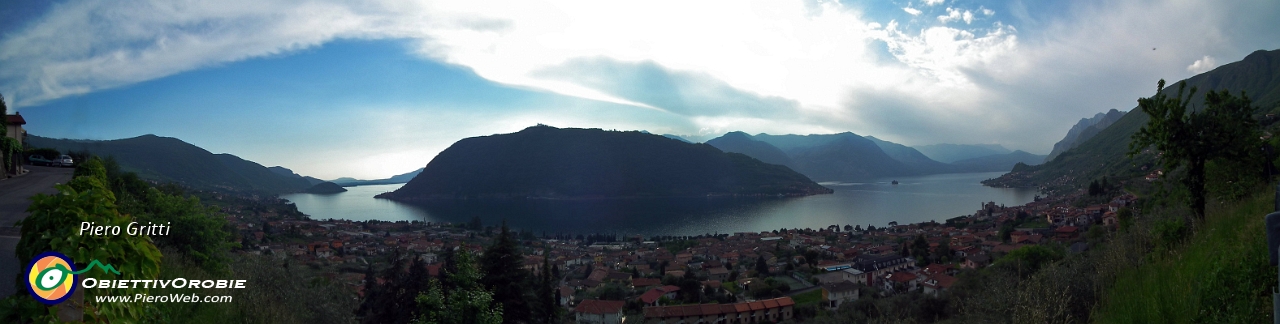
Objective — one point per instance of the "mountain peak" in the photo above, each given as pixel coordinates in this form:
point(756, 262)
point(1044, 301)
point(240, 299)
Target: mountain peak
point(585, 163)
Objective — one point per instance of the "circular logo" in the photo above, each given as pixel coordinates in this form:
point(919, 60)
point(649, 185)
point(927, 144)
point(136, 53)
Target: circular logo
point(51, 278)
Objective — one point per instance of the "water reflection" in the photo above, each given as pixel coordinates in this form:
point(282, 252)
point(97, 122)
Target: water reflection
point(913, 199)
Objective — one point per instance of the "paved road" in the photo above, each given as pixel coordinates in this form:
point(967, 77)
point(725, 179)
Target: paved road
point(13, 207)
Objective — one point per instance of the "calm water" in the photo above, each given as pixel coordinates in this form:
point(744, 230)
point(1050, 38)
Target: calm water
point(914, 199)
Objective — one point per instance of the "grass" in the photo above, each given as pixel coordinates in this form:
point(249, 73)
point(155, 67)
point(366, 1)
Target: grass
point(791, 282)
point(810, 297)
point(1219, 275)
point(731, 287)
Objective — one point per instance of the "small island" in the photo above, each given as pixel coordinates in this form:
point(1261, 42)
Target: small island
point(326, 188)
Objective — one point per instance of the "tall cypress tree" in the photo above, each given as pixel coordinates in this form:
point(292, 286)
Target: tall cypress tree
point(544, 305)
point(504, 276)
point(5, 158)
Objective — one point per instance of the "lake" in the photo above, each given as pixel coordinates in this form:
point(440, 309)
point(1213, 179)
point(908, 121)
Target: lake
point(913, 199)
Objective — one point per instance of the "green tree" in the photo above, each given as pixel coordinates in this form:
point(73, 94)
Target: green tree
point(467, 303)
point(548, 304)
point(7, 147)
point(1223, 129)
point(1028, 259)
point(198, 231)
point(762, 267)
point(920, 250)
point(505, 276)
point(53, 225)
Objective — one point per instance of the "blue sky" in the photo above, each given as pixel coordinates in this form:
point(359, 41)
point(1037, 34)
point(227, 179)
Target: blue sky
point(370, 89)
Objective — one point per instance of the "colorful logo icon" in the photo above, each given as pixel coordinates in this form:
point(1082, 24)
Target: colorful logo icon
point(51, 277)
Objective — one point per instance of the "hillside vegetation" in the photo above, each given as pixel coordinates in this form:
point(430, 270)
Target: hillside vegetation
point(167, 159)
point(1220, 274)
point(1258, 76)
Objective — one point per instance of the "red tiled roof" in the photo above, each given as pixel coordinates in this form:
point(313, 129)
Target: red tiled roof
point(945, 281)
point(770, 304)
point(902, 277)
point(715, 309)
point(710, 309)
point(651, 296)
point(645, 282)
point(785, 301)
point(15, 120)
point(727, 308)
point(687, 310)
point(592, 306)
point(937, 268)
point(655, 312)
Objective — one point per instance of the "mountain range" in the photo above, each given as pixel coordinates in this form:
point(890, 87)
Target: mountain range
point(851, 157)
point(1094, 147)
point(947, 153)
point(1257, 75)
point(399, 178)
point(168, 159)
point(1083, 131)
point(548, 162)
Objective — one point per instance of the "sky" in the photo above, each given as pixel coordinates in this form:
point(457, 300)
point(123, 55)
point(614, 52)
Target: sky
point(370, 89)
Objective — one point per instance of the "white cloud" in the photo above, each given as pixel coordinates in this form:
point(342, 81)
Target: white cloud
point(1202, 65)
point(979, 84)
point(954, 14)
point(912, 11)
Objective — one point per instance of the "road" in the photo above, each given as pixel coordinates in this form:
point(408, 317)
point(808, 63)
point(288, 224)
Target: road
point(13, 208)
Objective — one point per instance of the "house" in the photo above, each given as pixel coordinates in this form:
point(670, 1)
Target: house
point(618, 277)
point(651, 297)
point(1066, 233)
point(14, 131)
point(718, 273)
point(850, 275)
point(977, 261)
point(937, 283)
point(879, 264)
point(947, 269)
point(1109, 219)
point(593, 311)
point(900, 281)
point(839, 293)
point(761, 311)
point(566, 295)
point(641, 283)
point(598, 274)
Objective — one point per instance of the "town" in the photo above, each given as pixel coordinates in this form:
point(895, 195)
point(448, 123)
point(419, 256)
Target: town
point(768, 276)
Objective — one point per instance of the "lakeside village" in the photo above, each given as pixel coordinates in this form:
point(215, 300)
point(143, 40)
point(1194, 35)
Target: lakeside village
point(741, 277)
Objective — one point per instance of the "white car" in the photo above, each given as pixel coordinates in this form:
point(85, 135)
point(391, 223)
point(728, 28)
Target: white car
point(64, 160)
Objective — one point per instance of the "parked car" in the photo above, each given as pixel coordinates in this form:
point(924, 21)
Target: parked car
point(64, 160)
point(39, 160)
